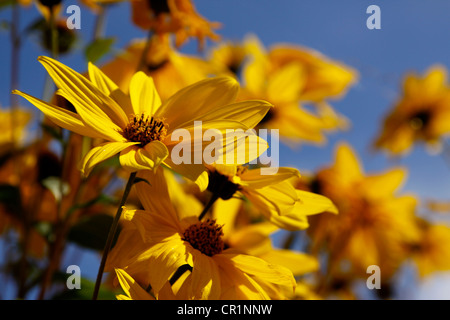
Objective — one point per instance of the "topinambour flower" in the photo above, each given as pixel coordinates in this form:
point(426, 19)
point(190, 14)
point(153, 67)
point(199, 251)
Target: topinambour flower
point(140, 128)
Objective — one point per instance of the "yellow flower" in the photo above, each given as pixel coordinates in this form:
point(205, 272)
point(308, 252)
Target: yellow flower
point(138, 126)
point(271, 194)
point(162, 63)
point(172, 240)
point(255, 239)
point(374, 223)
point(282, 86)
point(14, 127)
point(178, 17)
point(230, 56)
point(323, 78)
point(431, 253)
point(422, 114)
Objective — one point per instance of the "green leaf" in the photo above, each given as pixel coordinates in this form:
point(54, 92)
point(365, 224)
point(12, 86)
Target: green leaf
point(85, 292)
point(91, 232)
point(98, 48)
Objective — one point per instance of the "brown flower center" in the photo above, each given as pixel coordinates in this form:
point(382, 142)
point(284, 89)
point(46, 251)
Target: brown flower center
point(206, 237)
point(145, 129)
point(220, 184)
point(159, 6)
point(420, 120)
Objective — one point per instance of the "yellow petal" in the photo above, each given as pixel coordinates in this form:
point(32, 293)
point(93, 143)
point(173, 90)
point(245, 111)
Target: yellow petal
point(299, 263)
point(205, 278)
point(249, 113)
point(194, 172)
point(312, 203)
point(85, 96)
point(383, 185)
point(290, 222)
point(106, 127)
point(154, 195)
point(198, 99)
point(131, 288)
point(101, 153)
point(276, 199)
point(235, 144)
point(255, 74)
point(253, 239)
point(225, 212)
point(107, 86)
point(255, 179)
point(285, 84)
point(153, 154)
point(136, 158)
point(264, 271)
point(144, 97)
point(63, 118)
point(347, 164)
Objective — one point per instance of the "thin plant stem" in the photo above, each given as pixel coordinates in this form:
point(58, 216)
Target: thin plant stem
point(100, 19)
point(15, 48)
point(211, 201)
point(111, 234)
point(143, 57)
point(48, 87)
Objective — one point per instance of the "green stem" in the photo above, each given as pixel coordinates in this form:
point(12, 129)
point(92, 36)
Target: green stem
point(100, 19)
point(112, 232)
point(48, 87)
point(211, 201)
point(142, 60)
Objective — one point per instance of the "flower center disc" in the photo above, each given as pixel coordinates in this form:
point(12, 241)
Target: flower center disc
point(206, 237)
point(145, 129)
point(221, 185)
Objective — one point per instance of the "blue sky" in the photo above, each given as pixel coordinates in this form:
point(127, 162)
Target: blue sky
point(413, 37)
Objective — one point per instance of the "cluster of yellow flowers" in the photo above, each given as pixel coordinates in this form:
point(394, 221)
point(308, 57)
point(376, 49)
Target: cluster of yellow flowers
point(197, 229)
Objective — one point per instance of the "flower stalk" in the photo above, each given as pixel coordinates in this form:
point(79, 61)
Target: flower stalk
point(111, 234)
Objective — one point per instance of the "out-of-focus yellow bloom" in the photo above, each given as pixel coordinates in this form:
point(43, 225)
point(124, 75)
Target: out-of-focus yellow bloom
point(14, 127)
point(25, 3)
point(374, 224)
point(324, 78)
point(138, 126)
point(170, 241)
point(422, 114)
point(432, 252)
point(178, 17)
point(163, 63)
point(230, 56)
point(272, 194)
point(25, 170)
point(282, 85)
